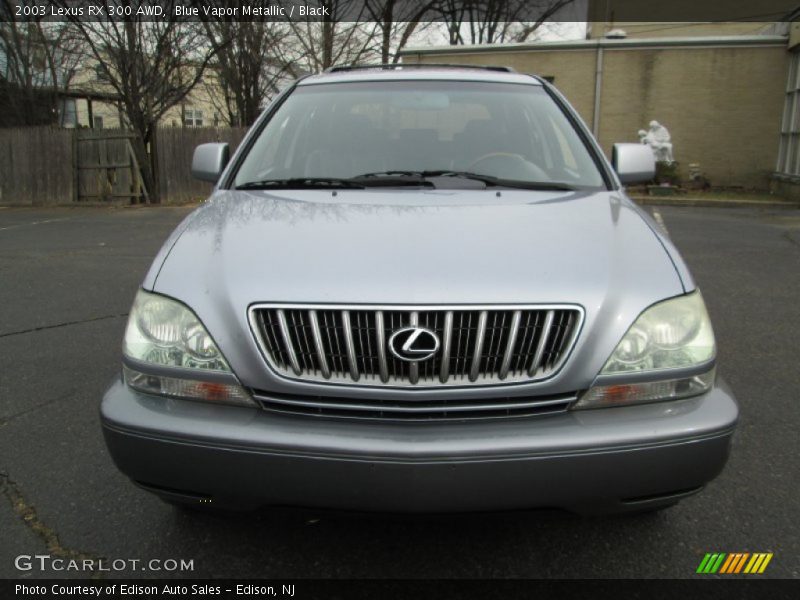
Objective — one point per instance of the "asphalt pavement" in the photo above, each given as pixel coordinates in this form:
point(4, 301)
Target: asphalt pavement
point(67, 278)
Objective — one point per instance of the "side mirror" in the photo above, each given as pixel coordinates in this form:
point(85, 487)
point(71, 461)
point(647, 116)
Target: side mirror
point(209, 161)
point(634, 163)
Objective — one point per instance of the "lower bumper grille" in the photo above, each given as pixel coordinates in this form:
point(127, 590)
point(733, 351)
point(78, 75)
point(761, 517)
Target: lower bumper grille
point(412, 409)
point(365, 345)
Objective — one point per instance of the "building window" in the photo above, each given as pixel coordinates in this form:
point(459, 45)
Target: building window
point(192, 117)
point(789, 152)
point(100, 73)
point(97, 122)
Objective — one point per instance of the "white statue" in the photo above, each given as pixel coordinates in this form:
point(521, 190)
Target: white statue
point(659, 140)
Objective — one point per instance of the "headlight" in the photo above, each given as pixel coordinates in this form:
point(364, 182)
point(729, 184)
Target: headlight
point(164, 333)
point(674, 334)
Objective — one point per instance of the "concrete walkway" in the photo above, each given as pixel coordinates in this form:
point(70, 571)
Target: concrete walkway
point(714, 202)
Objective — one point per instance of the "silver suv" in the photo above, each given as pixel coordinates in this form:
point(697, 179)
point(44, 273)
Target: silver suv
point(420, 289)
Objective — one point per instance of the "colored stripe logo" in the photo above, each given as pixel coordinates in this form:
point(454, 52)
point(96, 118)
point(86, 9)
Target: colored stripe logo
point(734, 563)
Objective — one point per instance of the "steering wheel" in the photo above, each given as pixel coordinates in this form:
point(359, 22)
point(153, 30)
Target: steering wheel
point(486, 157)
point(509, 166)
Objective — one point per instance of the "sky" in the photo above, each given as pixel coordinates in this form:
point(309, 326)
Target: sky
point(567, 24)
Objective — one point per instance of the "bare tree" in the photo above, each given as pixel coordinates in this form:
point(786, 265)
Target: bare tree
point(247, 67)
point(495, 21)
point(151, 65)
point(339, 37)
point(397, 21)
point(38, 61)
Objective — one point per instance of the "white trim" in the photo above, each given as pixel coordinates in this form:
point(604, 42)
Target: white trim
point(722, 41)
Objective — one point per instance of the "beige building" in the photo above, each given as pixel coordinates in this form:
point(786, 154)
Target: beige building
point(91, 102)
point(721, 96)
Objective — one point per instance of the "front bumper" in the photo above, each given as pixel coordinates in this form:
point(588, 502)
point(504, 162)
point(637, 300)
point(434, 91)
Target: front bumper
point(602, 460)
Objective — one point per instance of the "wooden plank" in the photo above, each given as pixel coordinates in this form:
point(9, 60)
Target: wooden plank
point(139, 188)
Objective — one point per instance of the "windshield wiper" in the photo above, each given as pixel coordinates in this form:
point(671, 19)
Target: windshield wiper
point(492, 181)
point(301, 183)
point(390, 174)
point(488, 180)
point(391, 179)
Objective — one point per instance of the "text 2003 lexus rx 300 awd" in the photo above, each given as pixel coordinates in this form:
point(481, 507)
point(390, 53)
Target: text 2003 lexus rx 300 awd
point(420, 289)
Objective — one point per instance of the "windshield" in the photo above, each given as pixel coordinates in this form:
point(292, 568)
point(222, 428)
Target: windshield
point(511, 132)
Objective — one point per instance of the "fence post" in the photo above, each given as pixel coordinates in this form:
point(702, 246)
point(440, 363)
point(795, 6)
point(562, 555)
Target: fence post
point(75, 174)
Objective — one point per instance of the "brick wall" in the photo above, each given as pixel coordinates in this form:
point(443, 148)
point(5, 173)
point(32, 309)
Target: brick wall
point(722, 104)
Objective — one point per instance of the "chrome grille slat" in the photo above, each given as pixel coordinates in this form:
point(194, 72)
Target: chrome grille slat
point(380, 340)
point(540, 347)
point(352, 358)
point(479, 345)
point(339, 352)
point(444, 373)
point(297, 328)
point(526, 344)
point(365, 328)
point(512, 338)
point(321, 354)
point(477, 353)
point(270, 339)
point(287, 340)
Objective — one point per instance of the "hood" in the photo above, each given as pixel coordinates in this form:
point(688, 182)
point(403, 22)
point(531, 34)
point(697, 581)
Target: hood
point(417, 247)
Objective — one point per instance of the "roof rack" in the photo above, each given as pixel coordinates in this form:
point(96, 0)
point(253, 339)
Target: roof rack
point(390, 67)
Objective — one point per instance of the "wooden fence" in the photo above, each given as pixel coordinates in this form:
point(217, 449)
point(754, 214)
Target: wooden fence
point(175, 148)
point(37, 166)
point(48, 166)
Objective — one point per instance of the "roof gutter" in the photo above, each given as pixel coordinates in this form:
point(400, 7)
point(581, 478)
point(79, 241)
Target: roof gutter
point(598, 90)
point(621, 44)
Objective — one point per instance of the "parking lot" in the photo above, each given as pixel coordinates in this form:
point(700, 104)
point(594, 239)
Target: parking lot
point(67, 278)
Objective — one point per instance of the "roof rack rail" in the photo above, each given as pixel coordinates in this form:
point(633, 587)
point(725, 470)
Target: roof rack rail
point(390, 67)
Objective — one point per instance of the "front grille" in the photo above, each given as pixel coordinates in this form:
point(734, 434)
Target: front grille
point(411, 409)
point(478, 345)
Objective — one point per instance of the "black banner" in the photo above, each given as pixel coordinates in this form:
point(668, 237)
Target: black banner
point(653, 589)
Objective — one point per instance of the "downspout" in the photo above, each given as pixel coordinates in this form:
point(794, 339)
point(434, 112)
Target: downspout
point(598, 89)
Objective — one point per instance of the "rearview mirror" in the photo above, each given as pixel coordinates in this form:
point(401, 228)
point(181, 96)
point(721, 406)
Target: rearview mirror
point(209, 161)
point(634, 163)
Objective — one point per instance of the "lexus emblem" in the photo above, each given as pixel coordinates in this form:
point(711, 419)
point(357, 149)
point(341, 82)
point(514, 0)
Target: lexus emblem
point(413, 344)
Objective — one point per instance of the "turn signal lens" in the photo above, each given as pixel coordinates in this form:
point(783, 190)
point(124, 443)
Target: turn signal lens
point(641, 393)
point(218, 393)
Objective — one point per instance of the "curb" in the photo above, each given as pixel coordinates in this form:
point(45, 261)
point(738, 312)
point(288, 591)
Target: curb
point(98, 205)
point(708, 203)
